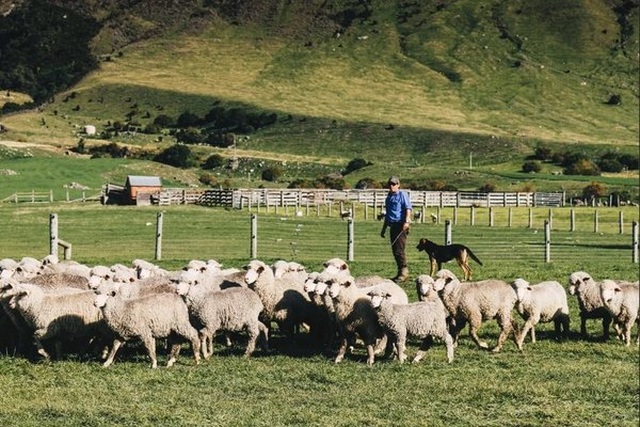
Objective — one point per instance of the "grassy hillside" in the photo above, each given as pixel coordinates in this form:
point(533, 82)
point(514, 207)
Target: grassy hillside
point(416, 87)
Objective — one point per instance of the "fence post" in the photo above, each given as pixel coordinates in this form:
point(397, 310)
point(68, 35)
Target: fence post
point(447, 232)
point(634, 233)
point(159, 221)
point(510, 217)
point(595, 221)
point(472, 216)
point(53, 234)
point(572, 226)
point(455, 215)
point(621, 222)
point(491, 216)
point(530, 217)
point(550, 218)
point(547, 241)
point(350, 239)
point(438, 214)
point(254, 236)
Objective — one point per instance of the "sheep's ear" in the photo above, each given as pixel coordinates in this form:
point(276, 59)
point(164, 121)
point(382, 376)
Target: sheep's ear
point(343, 266)
point(260, 269)
point(370, 294)
point(529, 288)
point(387, 295)
point(617, 289)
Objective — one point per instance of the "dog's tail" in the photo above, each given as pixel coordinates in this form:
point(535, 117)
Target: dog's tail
point(473, 256)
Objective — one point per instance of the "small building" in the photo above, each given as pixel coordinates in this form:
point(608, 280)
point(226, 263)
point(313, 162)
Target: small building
point(140, 189)
point(89, 130)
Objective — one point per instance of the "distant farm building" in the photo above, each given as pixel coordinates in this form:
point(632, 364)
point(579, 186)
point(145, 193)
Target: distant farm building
point(138, 190)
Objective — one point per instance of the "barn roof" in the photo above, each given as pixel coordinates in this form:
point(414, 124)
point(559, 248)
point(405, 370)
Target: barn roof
point(143, 181)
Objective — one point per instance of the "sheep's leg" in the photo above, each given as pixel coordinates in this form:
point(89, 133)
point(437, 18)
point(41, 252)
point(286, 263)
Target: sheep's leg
point(455, 327)
point(448, 340)
point(150, 345)
point(583, 325)
point(265, 336)
point(173, 354)
point(381, 344)
point(371, 355)
point(112, 354)
point(474, 325)
point(341, 350)
point(533, 334)
point(253, 331)
point(401, 345)
point(528, 325)
point(38, 337)
point(606, 322)
point(427, 342)
point(504, 321)
point(205, 337)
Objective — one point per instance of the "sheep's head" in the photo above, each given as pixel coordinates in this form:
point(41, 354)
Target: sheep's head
point(254, 270)
point(424, 283)
point(338, 282)
point(522, 287)
point(577, 279)
point(182, 288)
point(311, 282)
point(335, 266)
point(608, 290)
point(443, 278)
point(378, 297)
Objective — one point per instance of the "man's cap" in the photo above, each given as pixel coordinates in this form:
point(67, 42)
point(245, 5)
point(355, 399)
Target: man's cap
point(393, 180)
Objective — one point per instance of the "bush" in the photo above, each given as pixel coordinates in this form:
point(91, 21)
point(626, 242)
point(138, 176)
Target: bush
point(272, 174)
point(593, 190)
point(610, 165)
point(188, 119)
point(630, 161)
point(367, 183)
point(163, 120)
point(213, 161)
point(208, 179)
point(543, 153)
point(531, 166)
point(190, 136)
point(152, 128)
point(177, 155)
point(488, 187)
point(355, 164)
point(582, 167)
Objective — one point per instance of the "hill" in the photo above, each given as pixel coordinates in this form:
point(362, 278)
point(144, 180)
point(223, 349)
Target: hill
point(424, 89)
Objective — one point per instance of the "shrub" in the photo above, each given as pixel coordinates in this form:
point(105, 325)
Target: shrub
point(163, 120)
point(152, 128)
point(542, 153)
point(213, 161)
point(177, 155)
point(488, 187)
point(272, 174)
point(190, 136)
point(593, 190)
point(582, 167)
point(630, 161)
point(367, 183)
point(355, 164)
point(187, 119)
point(610, 165)
point(531, 166)
point(208, 179)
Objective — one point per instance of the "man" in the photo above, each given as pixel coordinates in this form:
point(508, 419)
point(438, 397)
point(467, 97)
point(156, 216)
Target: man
point(398, 219)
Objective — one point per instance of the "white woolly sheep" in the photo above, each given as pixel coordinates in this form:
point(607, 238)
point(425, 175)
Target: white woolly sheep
point(162, 315)
point(424, 320)
point(543, 302)
point(338, 266)
point(355, 314)
point(623, 303)
point(587, 291)
point(474, 302)
point(285, 302)
point(424, 288)
point(60, 314)
point(229, 310)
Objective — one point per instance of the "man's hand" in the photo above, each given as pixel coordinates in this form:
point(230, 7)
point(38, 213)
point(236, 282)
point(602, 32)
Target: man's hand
point(382, 234)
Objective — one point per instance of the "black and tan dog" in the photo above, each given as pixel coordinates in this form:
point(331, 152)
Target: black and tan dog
point(444, 253)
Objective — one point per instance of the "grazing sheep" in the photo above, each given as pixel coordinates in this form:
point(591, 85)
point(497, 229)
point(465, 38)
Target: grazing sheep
point(623, 303)
point(474, 302)
point(356, 316)
point(230, 310)
point(587, 291)
point(423, 320)
point(543, 302)
point(285, 302)
point(162, 315)
point(60, 314)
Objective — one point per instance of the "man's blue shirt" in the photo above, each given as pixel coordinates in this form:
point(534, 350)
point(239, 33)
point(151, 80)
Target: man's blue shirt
point(396, 205)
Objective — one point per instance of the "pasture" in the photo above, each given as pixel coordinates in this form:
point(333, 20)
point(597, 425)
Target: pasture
point(573, 383)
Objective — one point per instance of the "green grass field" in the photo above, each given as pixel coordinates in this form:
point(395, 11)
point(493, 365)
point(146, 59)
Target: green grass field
point(573, 383)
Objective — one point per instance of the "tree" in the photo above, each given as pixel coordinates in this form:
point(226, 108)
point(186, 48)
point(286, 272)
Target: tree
point(355, 164)
point(272, 174)
point(178, 155)
point(213, 161)
point(531, 166)
point(582, 167)
point(594, 190)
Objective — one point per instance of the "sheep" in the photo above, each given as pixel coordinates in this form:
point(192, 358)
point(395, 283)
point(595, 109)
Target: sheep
point(424, 288)
point(289, 269)
point(474, 302)
point(67, 313)
point(622, 301)
point(231, 310)
point(51, 264)
point(423, 320)
point(162, 315)
point(146, 269)
point(543, 302)
point(587, 291)
point(337, 266)
point(60, 280)
point(356, 316)
point(284, 302)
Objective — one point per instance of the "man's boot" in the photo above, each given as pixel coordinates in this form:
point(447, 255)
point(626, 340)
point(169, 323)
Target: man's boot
point(403, 275)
